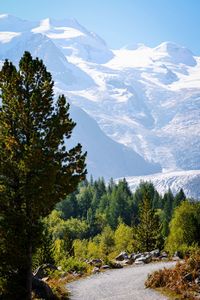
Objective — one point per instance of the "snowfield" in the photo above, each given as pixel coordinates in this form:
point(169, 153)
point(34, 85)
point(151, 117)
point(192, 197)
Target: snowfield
point(187, 180)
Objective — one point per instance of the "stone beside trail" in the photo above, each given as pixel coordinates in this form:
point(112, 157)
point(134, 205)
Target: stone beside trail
point(120, 284)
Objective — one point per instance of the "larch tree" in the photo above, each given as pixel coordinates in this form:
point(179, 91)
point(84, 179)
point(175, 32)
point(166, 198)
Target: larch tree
point(36, 168)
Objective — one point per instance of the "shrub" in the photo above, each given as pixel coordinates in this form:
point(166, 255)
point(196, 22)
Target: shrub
point(72, 264)
point(123, 238)
point(180, 279)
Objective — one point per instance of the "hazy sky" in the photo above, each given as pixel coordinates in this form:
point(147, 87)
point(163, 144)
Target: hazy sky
point(121, 22)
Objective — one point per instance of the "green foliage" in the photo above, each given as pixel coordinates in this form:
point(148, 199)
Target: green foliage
point(149, 229)
point(93, 249)
point(113, 210)
point(107, 241)
point(184, 227)
point(138, 196)
point(168, 201)
point(64, 232)
point(60, 251)
point(123, 238)
point(110, 219)
point(120, 200)
point(73, 264)
point(36, 170)
point(80, 248)
point(179, 198)
point(69, 206)
point(45, 251)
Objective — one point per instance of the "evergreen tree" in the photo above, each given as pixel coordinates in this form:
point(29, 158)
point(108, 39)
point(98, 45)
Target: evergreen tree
point(168, 201)
point(120, 204)
point(148, 230)
point(69, 206)
point(179, 198)
point(36, 170)
point(143, 189)
point(44, 252)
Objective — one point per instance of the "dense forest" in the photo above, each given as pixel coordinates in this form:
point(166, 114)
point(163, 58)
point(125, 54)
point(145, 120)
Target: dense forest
point(99, 220)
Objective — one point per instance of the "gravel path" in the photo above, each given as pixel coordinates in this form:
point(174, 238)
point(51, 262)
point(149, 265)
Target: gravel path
point(120, 284)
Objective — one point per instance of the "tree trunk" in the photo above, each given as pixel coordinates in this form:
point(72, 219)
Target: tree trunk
point(29, 273)
point(25, 277)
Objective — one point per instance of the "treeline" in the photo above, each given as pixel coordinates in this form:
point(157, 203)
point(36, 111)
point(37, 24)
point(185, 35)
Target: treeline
point(100, 220)
point(100, 205)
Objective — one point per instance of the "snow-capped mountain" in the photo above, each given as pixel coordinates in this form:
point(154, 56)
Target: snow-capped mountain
point(105, 156)
point(147, 99)
point(75, 40)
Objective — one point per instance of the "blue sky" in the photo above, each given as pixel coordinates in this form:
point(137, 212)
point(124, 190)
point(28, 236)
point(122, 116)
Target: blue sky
point(121, 22)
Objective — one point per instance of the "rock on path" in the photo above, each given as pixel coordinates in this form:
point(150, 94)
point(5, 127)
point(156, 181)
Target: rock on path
point(120, 284)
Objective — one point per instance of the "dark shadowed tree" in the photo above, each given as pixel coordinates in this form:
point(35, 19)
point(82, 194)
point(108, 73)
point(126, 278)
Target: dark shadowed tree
point(168, 202)
point(179, 198)
point(36, 169)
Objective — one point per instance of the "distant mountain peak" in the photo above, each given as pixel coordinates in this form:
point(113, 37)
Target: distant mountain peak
point(11, 23)
point(52, 24)
point(175, 53)
point(43, 26)
point(168, 46)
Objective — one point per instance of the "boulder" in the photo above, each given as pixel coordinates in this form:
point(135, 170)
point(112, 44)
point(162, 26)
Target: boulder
point(136, 256)
point(41, 271)
point(197, 280)
point(144, 259)
point(155, 253)
point(129, 261)
point(41, 289)
point(122, 256)
point(132, 256)
point(164, 255)
point(104, 267)
point(188, 277)
point(95, 270)
point(178, 254)
point(115, 265)
point(96, 262)
point(139, 262)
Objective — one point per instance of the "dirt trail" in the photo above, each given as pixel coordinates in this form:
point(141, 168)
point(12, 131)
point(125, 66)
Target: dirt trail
point(121, 284)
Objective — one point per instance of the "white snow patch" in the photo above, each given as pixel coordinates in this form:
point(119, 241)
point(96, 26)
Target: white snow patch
point(3, 16)
point(7, 36)
point(67, 33)
point(187, 180)
point(44, 26)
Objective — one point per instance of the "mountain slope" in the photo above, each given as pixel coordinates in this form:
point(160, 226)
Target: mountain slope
point(106, 157)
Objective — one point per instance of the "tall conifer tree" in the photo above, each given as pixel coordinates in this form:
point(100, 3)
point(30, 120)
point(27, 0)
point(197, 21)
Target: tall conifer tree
point(149, 230)
point(36, 169)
